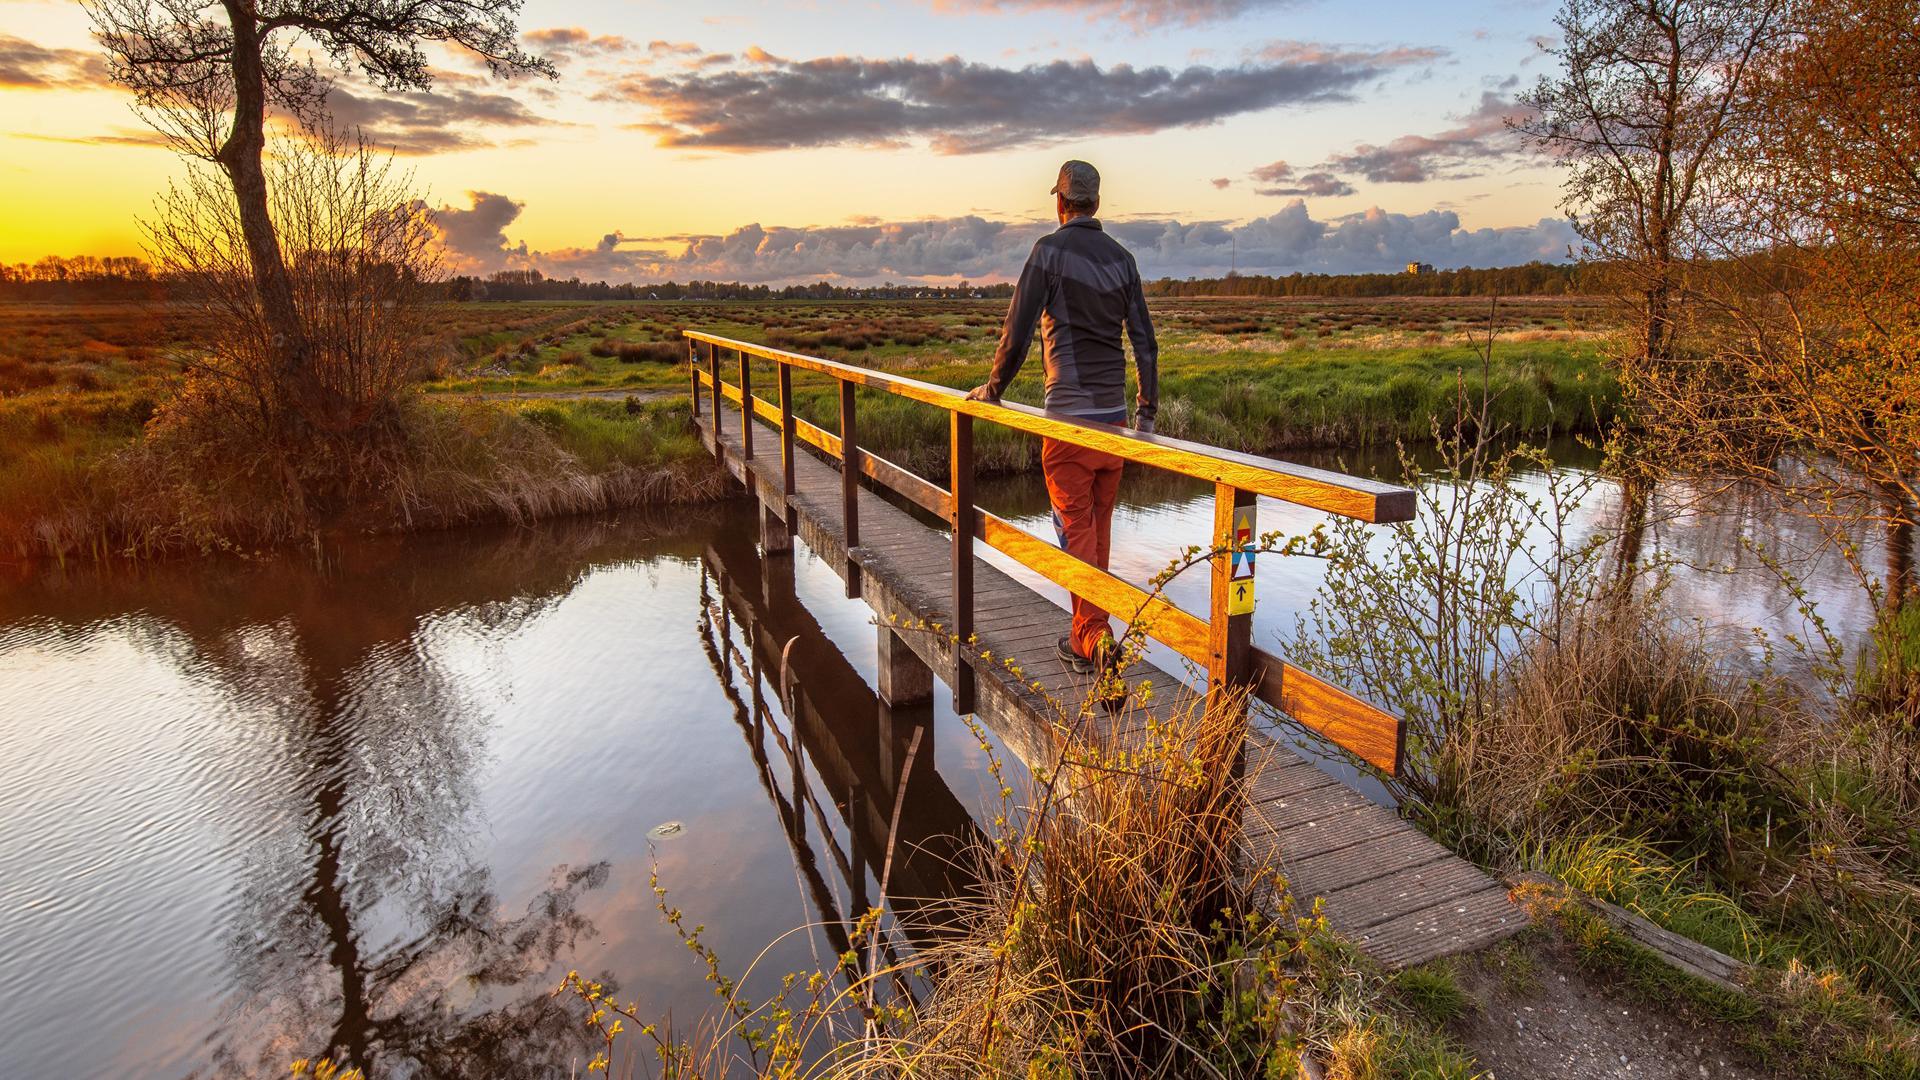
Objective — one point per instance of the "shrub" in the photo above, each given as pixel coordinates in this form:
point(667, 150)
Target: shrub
point(651, 352)
point(1549, 698)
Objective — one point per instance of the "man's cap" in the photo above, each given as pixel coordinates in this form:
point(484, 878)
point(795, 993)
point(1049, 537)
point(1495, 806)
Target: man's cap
point(1079, 182)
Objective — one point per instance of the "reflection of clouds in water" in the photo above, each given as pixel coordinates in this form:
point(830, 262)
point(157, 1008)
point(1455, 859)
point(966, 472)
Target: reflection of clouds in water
point(273, 777)
point(1736, 557)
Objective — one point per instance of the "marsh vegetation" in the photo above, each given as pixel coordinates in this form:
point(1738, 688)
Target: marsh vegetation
point(522, 409)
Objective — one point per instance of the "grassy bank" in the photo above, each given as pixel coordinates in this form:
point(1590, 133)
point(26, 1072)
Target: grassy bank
point(1564, 717)
point(95, 481)
point(1793, 1013)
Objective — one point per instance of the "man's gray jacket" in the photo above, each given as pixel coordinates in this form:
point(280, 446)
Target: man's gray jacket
point(1082, 288)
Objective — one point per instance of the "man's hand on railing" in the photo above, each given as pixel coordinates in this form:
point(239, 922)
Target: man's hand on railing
point(983, 393)
point(1142, 425)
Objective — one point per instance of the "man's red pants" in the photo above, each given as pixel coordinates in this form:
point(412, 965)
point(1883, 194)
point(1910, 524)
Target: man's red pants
point(1083, 485)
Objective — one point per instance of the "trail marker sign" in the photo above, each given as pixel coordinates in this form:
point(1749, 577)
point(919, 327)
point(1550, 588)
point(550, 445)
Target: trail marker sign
point(1240, 596)
point(1242, 566)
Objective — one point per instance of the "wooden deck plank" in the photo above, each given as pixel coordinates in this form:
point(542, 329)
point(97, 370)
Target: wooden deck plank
point(1280, 779)
point(1010, 623)
point(1025, 616)
point(1321, 836)
point(1312, 805)
point(1401, 896)
point(1457, 924)
point(1402, 891)
point(1371, 857)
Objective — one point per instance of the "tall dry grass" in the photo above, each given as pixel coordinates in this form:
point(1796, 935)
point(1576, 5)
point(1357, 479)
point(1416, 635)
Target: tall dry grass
point(1630, 715)
point(1113, 930)
point(1634, 725)
point(1094, 938)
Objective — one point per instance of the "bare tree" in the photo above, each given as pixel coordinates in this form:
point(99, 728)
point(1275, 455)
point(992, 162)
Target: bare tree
point(1748, 171)
point(361, 266)
point(1644, 117)
point(206, 74)
point(1836, 365)
point(1799, 276)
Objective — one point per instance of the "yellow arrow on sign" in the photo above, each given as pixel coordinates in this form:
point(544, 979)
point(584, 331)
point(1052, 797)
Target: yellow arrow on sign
point(1240, 597)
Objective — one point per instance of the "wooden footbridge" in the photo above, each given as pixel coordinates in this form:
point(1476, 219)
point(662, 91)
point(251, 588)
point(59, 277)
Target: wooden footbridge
point(911, 556)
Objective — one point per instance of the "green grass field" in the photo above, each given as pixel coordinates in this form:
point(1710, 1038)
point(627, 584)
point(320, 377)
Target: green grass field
point(78, 382)
point(1259, 376)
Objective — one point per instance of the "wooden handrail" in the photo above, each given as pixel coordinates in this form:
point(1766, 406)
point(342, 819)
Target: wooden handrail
point(1221, 644)
point(1350, 496)
point(1184, 633)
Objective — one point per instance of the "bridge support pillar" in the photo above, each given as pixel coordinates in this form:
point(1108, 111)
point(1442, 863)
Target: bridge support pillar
point(895, 737)
point(776, 582)
point(905, 679)
point(775, 539)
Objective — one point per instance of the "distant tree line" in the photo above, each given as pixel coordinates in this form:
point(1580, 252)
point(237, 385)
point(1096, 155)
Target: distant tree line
point(532, 285)
point(1532, 279)
point(85, 277)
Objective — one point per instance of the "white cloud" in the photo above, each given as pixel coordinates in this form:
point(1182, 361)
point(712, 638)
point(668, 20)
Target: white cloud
point(979, 249)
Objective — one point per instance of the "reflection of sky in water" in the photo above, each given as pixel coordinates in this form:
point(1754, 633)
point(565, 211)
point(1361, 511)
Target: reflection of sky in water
point(240, 803)
point(235, 813)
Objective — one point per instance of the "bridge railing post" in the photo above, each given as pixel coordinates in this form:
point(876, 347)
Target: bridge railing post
point(746, 406)
point(693, 374)
point(850, 483)
point(719, 401)
point(960, 479)
point(1230, 614)
point(787, 431)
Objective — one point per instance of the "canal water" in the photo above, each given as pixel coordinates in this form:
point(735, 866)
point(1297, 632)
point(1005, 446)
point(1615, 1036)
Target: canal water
point(382, 799)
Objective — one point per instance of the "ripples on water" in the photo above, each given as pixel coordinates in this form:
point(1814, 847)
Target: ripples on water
point(250, 812)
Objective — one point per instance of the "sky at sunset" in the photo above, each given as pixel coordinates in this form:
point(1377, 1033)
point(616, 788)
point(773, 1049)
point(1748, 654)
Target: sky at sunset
point(864, 142)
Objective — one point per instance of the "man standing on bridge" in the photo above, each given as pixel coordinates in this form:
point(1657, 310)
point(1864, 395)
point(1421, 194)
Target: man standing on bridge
point(1082, 288)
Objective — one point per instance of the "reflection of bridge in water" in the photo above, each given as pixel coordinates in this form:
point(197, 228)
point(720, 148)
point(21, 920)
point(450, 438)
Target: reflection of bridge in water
point(1400, 895)
point(874, 761)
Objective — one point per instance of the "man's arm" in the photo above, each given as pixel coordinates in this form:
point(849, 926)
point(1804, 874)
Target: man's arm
point(1016, 334)
point(1146, 355)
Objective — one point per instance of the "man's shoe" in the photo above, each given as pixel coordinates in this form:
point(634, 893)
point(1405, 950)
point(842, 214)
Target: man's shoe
point(1106, 661)
point(1074, 661)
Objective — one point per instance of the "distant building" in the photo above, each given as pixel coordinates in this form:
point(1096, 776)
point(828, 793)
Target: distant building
point(1419, 268)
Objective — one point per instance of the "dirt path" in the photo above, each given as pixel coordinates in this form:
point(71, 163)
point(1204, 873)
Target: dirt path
point(1541, 1015)
point(615, 394)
